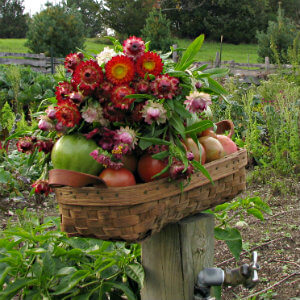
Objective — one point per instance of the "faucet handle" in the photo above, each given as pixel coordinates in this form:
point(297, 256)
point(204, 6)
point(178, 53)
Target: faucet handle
point(254, 266)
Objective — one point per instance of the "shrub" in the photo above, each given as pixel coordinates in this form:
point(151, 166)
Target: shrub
point(58, 28)
point(276, 41)
point(157, 31)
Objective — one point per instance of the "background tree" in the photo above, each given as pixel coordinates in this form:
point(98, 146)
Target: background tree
point(157, 31)
point(126, 17)
point(56, 27)
point(13, 21)
point(278, 38)
point(91, 15)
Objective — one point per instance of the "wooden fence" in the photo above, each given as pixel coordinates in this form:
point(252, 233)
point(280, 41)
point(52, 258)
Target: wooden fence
point(38, 62)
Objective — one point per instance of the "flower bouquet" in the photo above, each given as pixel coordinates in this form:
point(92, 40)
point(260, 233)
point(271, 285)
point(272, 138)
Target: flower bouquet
point(139, 124)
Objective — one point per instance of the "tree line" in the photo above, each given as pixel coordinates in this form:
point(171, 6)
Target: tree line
point(236, 21)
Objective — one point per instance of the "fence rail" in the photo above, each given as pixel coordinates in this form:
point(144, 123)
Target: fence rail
point(42, 63)
point(38, 62)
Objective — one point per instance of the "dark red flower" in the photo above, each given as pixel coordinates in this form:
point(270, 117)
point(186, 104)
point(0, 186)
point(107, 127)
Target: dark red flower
point(133, 47)
point(142, 86)
point(112, 114)
point(45, 146)
point(137, 114)
point(41, 187)
point(177, 170)
point(26, 145)
point(165, 86)
point(67, 114)
point(150, 63)
point(72, 60)
point(88, 76)
point(63, 91)
point(118, 94)
point(92, 133)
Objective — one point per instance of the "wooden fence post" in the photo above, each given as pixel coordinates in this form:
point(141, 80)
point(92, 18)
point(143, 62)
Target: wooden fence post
point(217, 60)
point(175, 56)
point(267, 63)
point(173, 258)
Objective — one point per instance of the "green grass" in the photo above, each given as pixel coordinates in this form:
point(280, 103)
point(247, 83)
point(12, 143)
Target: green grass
point(238, 53)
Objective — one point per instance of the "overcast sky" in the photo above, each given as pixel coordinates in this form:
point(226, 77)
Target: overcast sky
point(34, 6)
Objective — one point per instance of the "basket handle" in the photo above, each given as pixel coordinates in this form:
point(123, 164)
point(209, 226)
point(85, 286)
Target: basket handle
point(61, 177)
point(225, 125)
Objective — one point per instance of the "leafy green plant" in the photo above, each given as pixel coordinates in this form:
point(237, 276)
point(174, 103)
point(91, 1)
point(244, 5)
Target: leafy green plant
point(37, 261)
point(230, 212)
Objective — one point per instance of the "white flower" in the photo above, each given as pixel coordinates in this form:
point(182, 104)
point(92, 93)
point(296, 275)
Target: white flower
point(104, 56)
point(154, 112)
point(197, 102)
point(93, 113)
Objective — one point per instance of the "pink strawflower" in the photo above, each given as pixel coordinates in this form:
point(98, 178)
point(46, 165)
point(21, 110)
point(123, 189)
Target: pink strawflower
point(107, 140)
point(127, 136)
point(92, 133)
point(197, 101)
point(72, 60)
point(77, 97)
point(164, 86)
point(177, 170)
point(190, 155)
point(106, 160)
point(154, 112)
point(46, 124)
point(134, 47)
point(142, 86)
point(50, 111)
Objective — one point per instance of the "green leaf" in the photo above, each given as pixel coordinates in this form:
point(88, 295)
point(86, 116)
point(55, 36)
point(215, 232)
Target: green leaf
point(4, 176)
point(217, 71)
point(176, 123)
point(235, 247)
point(66, 271)
point(199, 127)
point(113, 285)
point(256, 213)
point(3, 275)
point(155, 141)
point(161, 155)
point(197, 165)
point(136, 272)
point(188, 56)
point(181, 110)
point(139, 96)
point(76, 277)
point(13, 288)
point(216, 87)
point(221, 207)
point(227, 234)
point(260, 204)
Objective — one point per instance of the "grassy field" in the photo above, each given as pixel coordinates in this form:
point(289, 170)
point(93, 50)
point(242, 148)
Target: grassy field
point(239, 53)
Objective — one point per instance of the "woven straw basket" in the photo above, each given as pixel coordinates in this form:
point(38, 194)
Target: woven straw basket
point(132, 213)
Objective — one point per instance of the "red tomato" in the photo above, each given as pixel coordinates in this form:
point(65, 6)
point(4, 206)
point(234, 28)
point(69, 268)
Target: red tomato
point(117, 178)
point(148, 167)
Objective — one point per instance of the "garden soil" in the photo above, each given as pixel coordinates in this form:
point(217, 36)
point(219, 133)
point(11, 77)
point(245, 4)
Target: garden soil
point(277, 241)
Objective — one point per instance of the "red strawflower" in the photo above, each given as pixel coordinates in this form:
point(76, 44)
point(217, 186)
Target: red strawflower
point(134, 47)
point(63, 90)
point(106, 88)
point(41, 187)
point(88, 76)
point(26, 144)
point(45, 146)
point(67, 114)
point(118, 94)
point(72, 60)
point(165, 86)
point(150, 63)
point(120, 69)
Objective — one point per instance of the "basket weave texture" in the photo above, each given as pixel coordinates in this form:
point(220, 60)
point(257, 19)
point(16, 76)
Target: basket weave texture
point(132, 213)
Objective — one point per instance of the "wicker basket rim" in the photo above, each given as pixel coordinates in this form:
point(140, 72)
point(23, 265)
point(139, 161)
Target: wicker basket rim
point(147, 192)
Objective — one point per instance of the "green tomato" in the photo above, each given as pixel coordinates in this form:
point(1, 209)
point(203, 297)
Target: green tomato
point(72, 152)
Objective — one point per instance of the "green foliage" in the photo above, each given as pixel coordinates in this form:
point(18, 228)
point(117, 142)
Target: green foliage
point(266, 121)
point(279, 37)
point(236, 211)
point(56, 28)
point(157, 31)
point(126, 17)
point(38, 261)
point(13, 21)
point(23, 88)
point(90, 13)
point(7, 117)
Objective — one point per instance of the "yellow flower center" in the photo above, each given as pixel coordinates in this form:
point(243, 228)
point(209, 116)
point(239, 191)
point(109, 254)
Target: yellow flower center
point(149, 65)
point(118, 150)
point(119, 71)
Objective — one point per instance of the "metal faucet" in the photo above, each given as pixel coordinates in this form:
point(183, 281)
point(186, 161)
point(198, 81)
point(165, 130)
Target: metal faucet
point(245, 275)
